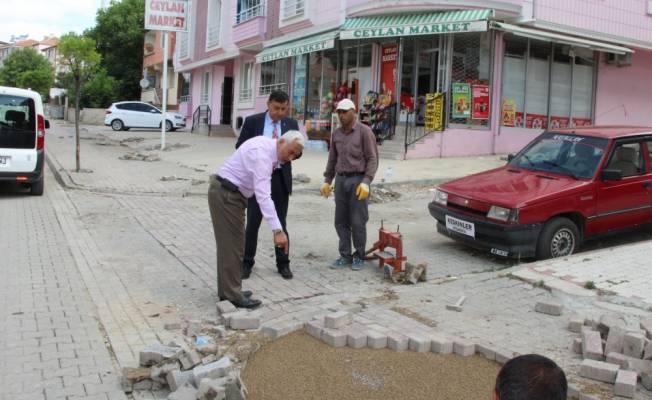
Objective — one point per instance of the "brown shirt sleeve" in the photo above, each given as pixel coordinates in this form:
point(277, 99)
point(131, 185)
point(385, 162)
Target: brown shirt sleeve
point(329, 174)
point(370, 153)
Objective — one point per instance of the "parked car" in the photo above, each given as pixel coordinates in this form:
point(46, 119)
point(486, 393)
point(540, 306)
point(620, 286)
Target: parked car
point(565, 186)
point(125, 115)
point(22, 138)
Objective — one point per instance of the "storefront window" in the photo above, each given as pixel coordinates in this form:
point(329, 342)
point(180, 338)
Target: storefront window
point(273, 76)
point(536, 97)
point(299, 87)
point(320, 92)
point(470, 76)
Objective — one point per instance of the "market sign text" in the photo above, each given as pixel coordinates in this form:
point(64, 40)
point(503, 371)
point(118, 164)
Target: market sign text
point(413, 30)
point(166, 15)
point(296, 51)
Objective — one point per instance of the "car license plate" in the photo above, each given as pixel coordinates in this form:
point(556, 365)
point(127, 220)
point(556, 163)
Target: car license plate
point(460, 226)
point(4, 161)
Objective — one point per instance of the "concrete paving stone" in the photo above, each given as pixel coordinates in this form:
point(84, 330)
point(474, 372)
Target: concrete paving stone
point(646, 325)
point(315, 328)
point(463, 347)
point(420, 344)
point(549, 307)
point(592, 345)
point(503, 355)
point(575, 324)
point(619, 359)
point(278, 329)
point(185, 392)
point(176, 379)
point(646, 380)
point(193, 328)
point(615, 340)
point(640, 366)
point(633, 345)
point(159, 372)
point(356, 338)
point(376, 340)
point(441, 344)
point(577, 346)
point(625, 385)
point(609, 321)
point(647, 354)
point(337, 320)
point(599, 371)
point(157, 352)
point(210, 389)
point(243, 321)
point(217, 369)
point(189, 358)
point(397, 341)
point(334, 338)
point(487, 351)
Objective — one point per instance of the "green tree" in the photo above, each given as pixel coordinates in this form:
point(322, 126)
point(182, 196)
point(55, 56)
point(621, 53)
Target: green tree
point(79, 56)
point(26, 68)
point(100, 90)
point(119, 33)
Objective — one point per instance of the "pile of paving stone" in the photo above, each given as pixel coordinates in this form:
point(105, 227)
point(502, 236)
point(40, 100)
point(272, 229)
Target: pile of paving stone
point(183, 371)
point(614, 352)
point(137, 156)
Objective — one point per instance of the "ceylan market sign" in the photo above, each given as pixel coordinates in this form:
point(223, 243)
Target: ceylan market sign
point(291, 51)
point(414, 30)
point(166, 15)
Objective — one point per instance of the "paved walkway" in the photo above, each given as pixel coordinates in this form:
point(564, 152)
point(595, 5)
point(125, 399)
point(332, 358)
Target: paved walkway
point(52, 345)
point(144, 250)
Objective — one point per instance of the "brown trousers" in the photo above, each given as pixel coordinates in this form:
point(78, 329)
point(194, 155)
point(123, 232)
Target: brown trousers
point(228, 215)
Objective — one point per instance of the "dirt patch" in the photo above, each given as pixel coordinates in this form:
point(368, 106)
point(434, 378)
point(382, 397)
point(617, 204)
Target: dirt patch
point(300, 367)
point(415, 316)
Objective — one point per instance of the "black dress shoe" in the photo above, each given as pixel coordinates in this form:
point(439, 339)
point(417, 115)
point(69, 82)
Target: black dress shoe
point(285, 272)
point(247, 302)
point(246, 293)
point(246, 271)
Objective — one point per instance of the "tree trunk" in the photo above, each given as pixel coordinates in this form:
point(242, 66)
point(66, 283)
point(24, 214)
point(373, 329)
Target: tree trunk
point(77, 94)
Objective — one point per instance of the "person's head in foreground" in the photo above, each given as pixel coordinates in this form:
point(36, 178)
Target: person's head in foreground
point(530, 377)
point(290, 146)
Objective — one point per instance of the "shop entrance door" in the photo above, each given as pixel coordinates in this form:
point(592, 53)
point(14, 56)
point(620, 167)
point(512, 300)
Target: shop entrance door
point(426, 75)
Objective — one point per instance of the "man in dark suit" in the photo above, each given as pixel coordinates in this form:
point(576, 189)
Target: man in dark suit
point(272, 123)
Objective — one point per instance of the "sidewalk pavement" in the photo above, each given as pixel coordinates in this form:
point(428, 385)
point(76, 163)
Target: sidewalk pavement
point(191, 156)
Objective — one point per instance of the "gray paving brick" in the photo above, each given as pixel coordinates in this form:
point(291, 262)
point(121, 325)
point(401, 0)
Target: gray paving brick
point(599, 371)
point(625, 385)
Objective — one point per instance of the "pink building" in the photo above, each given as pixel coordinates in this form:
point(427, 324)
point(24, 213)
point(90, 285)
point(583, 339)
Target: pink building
point(436, 78)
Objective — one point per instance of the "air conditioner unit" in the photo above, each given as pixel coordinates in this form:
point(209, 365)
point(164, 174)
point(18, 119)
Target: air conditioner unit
point(621, 60)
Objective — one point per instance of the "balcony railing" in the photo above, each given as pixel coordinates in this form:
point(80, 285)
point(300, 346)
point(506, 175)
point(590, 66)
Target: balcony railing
point(250, 9)
point(267, 89)
point(185, 99)
point(293, 8)
point(246, 94)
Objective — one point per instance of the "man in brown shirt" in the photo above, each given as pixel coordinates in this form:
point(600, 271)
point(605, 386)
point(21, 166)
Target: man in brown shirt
point(353, 158)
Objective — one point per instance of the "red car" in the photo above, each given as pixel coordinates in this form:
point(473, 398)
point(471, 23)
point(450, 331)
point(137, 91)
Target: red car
point(562, 188)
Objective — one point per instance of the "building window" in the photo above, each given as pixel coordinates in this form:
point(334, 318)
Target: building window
point(184, 45)
point(248, 9)
point(470, 77)
point(546, 84)
point(213, 23)
point(293, 8)
point(246, 75)
point(273, 76)
point(205, 96)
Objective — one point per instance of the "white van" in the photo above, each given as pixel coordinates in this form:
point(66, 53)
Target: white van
point(22, 138)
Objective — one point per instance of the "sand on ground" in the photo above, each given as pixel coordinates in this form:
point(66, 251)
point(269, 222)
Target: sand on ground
point(298, 366)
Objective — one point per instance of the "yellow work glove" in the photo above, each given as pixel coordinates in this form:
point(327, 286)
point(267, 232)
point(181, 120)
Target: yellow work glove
point(325, 189)
point(362, 191)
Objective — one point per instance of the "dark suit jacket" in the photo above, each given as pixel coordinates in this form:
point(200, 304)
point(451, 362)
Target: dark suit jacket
point(254, 125)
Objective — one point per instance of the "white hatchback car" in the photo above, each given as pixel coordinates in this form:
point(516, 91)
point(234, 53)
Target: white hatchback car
point(136, 114)
point(22, 138)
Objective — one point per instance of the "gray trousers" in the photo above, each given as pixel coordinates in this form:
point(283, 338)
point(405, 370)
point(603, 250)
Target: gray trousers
point(228, 215)
point(351, 216)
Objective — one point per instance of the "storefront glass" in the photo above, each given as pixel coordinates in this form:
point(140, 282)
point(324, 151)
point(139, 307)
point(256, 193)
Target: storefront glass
point(470, 78)
point(546, 84)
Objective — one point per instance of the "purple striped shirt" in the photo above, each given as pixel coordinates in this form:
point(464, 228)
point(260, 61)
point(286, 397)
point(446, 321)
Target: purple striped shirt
point(250, 169)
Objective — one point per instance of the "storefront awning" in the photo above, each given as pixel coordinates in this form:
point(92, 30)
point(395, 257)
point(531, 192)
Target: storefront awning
point(560, 38)
point(416, 24)
point(297, 47)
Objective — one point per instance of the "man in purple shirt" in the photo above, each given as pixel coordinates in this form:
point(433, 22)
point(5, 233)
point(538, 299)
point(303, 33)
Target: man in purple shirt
point(247, 173)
